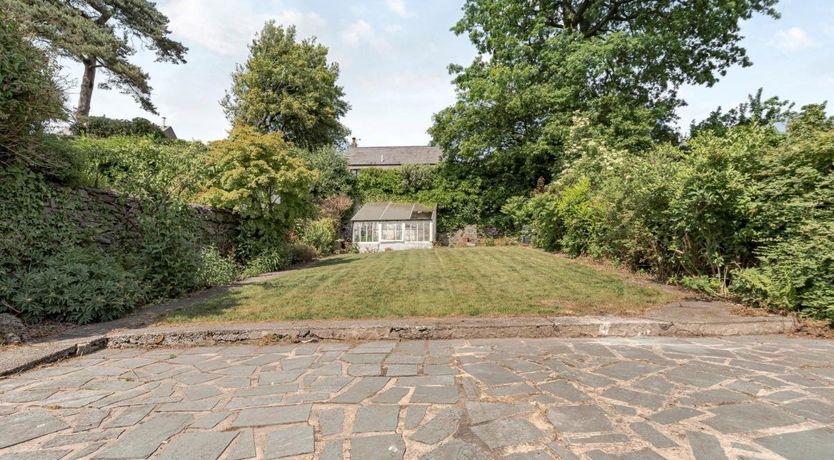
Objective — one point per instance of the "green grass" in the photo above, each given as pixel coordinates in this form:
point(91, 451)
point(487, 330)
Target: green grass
point(432, 283)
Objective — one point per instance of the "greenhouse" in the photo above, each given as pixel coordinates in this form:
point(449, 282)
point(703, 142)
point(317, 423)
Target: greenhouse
point(394, 226)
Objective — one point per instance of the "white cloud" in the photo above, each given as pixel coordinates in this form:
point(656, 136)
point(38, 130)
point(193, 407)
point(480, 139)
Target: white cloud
point(398, 6)
point(793, 39)
point(393, 28)
point(226, 28)
point(361, 33)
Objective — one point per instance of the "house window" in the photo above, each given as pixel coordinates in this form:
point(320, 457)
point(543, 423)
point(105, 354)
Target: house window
point(392, 231)
point(365, 232)
point(418, 231)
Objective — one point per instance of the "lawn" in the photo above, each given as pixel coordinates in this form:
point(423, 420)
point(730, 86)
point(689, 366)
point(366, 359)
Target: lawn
point(433, 283)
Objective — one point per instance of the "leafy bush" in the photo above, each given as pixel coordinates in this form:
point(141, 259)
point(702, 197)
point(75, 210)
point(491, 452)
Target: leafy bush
point(320, 234)
point(750, 210)
point(103, 127)
point(302, 253)
point(80, 285)
point(273, 260)
point(215, 269)
point(29, 98)
point(458, 201)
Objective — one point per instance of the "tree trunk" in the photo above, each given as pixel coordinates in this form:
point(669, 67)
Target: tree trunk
point(88, 82)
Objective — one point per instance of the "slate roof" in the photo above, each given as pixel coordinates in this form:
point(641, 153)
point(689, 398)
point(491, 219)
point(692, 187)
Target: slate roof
point(393, 156)
point(390, 211)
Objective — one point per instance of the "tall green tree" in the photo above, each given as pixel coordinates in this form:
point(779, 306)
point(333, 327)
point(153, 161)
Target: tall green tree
point(288, 86)
point(29, 94)
point(616, 63)
point(102, 34)
point(756, 111)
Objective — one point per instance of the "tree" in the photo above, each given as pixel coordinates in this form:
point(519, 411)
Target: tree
point(540, 63)
point(101, 34)
point(334, 176)
point(29, 94)
point(287, 86)
point(755, 111)
point(258, 176)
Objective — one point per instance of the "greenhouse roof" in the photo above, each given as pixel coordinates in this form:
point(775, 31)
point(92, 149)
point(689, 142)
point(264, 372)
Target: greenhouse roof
point(390, 211)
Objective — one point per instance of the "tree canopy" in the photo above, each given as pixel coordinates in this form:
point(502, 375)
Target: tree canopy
point(258, 176)
point(288, 86)
point(616, 63)
point(102, 34)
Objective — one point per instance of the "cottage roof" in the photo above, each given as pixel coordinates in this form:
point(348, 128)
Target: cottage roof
point(393, 156)
point(390, 211)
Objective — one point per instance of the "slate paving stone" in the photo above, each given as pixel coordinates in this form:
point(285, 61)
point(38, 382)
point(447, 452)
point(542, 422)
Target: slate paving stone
point(142, 440)
point(197, 446)
point(79, 438)
point(243, 447)
point(578, 419)
point(23, 427)
point(402, 370)
point(628, 370)
point(371, 419)
point(457, 450)
point(35, 455)
point(491, 374)
point(564, 390)
point(635, 398)
point(209, 421)
point(385, 447)
point(331, 421)
point(332, 450)
point(361, 390)
point(812, 409)
point(480, 412)
point(365, 370)
point(507, 432)
point(643, 454)
point(653, 436)
point(705, 446)
point(562, 452)
point(815, 444)
point(674, 415)
point(288, 442)
point(390, 396)
point(739, 418)
point(414, 415)
point(509, 391)
point(267, 416)
point(439, 427)
point(435, 395)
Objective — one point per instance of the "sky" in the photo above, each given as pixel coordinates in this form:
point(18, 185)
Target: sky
point(394, 57)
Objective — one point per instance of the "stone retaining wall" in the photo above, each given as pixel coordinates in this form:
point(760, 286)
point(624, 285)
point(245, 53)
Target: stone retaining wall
point(112, 219)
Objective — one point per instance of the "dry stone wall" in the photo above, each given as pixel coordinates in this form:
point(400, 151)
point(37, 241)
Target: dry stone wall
point(112, 219)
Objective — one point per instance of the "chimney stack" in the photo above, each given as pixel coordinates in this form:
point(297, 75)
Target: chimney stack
point(353, 142)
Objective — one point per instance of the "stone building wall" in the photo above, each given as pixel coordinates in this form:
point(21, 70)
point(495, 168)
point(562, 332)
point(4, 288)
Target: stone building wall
point(113, 220)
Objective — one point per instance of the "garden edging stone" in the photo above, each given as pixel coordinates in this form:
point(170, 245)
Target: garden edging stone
point(681, 319)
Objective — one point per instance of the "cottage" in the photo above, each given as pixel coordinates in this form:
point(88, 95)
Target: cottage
point(393, 226)
point(390, 157)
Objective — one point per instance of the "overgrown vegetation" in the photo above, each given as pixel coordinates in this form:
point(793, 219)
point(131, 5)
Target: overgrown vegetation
point(747, 211)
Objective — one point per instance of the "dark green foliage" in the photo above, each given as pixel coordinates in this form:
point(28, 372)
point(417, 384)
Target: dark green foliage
point(216, 269)
point(334, 177)
point(29, 97)
point(288, 86)
point(269, 260)
point(319, 234)
point(110, 127)
point(540, 63)
point(756, 111)
point(750, 210)
point(79, 285)
point(458, 201)
point(302, 253)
